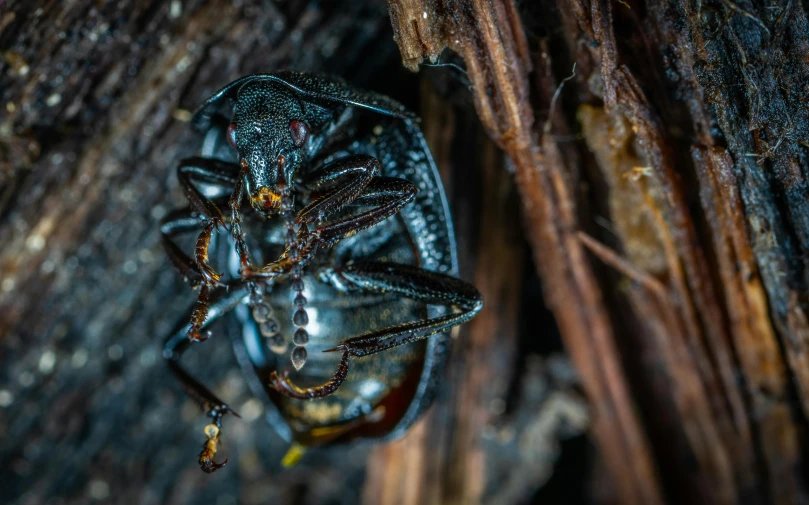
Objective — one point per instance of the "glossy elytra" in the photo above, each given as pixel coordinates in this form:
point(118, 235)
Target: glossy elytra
point(336, 269)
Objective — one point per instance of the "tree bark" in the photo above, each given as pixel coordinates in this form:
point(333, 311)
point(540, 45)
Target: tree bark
point(691, 350)
point(662, 188)
point(96, 99)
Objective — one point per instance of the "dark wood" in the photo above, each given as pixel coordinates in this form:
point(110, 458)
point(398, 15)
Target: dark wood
point(686, 189)
point(661, 184)
point(96, 98)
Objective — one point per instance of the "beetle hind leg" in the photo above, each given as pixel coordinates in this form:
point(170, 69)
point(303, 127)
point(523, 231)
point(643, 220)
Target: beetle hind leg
point(463, 300)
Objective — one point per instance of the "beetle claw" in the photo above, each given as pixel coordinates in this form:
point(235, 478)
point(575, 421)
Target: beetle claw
point(286, 387)
point(195, 335)
point(206, 461)
point(210, 466)
point(209, 275)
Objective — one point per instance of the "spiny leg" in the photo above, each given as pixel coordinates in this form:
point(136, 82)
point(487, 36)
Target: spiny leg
point(336, 185)
point(222, 301)
point(235, 204)
point(411, 282)
point(211, 171)
point(225, 176)
point(175, 223)
point(385, 195)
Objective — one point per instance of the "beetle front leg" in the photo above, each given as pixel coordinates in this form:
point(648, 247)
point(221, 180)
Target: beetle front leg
point(385, 195)
point(411, 282)
point(210, 171)
point(222, 301)
point(176, 223)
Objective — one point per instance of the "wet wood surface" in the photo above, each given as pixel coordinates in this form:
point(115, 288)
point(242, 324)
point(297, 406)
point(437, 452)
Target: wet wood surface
point(646, 159)
point(96, 99)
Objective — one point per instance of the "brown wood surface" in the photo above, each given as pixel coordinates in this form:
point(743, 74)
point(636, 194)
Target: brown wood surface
point(95, 101)
point(662, 189)
point(689, 186)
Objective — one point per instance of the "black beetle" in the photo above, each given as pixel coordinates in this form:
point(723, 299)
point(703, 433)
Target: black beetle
point(324, 167)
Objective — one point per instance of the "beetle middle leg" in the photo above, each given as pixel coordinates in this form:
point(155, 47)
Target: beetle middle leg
point(223, 300)
point(411, 282)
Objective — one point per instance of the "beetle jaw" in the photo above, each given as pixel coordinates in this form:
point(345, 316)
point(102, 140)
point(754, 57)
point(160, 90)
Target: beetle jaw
point(266, 201)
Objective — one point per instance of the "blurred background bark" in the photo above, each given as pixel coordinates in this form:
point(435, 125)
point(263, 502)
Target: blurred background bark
point(659, 187)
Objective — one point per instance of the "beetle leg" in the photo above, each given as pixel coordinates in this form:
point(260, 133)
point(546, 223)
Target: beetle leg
point(283, 385)
point(415, 283)
point(175, 223)
point(223, 300)
point(386, 196)
point(210, 171)
point(235, 203)
point(336, 185)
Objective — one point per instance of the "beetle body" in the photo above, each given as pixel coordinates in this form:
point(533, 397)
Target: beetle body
point(339, 277)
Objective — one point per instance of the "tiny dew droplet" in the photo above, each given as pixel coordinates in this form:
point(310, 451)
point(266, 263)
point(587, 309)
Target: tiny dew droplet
point(277, 344)
point(261, 312)
point(269, 328)
point(301, 337)
point(300, 318)
point(299, 355)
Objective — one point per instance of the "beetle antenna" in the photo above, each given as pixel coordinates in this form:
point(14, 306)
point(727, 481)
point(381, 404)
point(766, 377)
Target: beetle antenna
point(300, 318)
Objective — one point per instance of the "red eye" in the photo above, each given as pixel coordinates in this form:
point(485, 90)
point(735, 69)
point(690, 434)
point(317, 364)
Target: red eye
point(300, 132)
point(232, 135)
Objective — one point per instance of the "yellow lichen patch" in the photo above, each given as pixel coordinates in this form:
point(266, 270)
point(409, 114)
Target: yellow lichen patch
point(632, 187)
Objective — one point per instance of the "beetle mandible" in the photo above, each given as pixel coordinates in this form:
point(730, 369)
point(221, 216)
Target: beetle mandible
point(349, 220)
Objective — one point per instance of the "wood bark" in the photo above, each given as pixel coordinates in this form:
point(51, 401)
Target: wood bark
point(96, 99)
point(692, 349)
point(661, 183)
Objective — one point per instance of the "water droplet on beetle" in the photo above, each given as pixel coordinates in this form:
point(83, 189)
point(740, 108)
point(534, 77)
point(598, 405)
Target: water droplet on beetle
point(299, 355)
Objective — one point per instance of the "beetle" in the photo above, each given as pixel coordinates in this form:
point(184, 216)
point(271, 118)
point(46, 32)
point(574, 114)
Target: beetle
point(350, 236)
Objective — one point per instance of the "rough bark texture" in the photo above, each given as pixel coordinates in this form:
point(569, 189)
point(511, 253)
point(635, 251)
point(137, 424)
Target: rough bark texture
point(662, 188)
point(691, 344)
point(95, 101)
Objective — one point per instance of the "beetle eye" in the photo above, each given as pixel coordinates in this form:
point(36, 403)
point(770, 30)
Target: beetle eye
point(300, 132)
point(232, 135)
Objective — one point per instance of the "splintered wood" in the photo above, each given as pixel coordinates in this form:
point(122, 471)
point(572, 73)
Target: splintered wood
point(671, 237)
point(489, 37)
